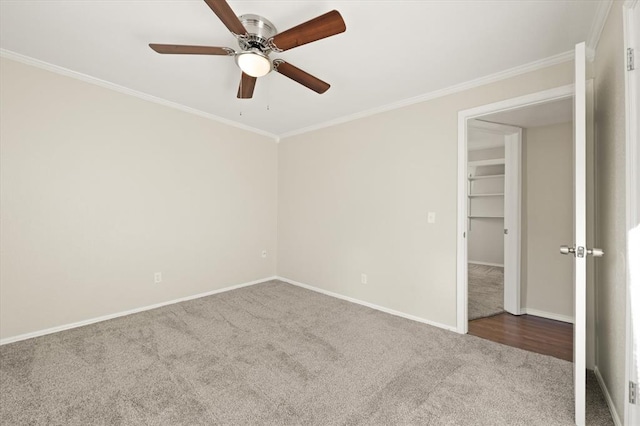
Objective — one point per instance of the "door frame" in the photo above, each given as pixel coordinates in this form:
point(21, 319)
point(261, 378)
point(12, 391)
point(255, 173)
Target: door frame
point(632, 109)
point(464, 116)
point(512, 138)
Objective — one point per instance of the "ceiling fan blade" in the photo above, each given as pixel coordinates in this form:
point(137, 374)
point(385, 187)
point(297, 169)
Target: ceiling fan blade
point(191, 50)
point(227, 16)
point(247, 84)
point(331, 23)
point(302, 77)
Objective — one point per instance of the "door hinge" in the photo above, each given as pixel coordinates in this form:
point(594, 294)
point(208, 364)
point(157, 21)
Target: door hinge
point(630, 60)
point(633, 393)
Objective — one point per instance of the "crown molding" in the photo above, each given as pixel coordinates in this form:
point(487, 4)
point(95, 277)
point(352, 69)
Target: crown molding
point(492, 78)
point(124, 90)
point(604, 7)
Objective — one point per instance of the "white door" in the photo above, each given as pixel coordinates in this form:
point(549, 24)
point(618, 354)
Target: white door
point(579, 248)
point(580, 233)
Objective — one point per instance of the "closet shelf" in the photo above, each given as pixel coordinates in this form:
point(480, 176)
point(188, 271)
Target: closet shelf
point(492, 162)
point(501, 194)
point(478, 216)
point(485, 177)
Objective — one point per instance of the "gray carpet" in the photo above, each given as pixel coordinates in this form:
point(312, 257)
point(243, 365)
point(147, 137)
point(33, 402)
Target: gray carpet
point(278, 354)
point(486, 291)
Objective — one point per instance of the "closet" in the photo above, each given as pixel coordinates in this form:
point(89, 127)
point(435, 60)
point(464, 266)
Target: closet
point(493, 208)
point(485, 205)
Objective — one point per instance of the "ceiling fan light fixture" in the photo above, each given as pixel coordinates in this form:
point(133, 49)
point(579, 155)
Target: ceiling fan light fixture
point(254, 63)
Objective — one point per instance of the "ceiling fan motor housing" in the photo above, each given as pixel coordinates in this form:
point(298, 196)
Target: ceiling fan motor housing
point(259, 30)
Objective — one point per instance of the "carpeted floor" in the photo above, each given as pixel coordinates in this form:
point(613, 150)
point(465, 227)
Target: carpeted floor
point(486, 291)
point(277, 354)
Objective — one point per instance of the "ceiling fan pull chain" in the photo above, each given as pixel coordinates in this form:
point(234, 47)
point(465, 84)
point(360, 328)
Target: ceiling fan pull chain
point(268, 94)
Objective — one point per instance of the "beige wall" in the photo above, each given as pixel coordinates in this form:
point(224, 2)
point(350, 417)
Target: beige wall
point(354, 199)
point(610, 211)
point(486, 241)
point(547, 218)
point(99, 190)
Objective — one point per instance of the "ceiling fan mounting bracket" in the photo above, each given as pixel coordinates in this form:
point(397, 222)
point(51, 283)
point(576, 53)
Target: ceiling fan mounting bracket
point(259, 33)
point(272, 46)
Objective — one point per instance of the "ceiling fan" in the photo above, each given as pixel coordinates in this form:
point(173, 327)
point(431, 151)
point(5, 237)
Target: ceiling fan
point(257, 37)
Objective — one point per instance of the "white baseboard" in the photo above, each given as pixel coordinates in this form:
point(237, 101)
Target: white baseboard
point(33, 334)
point(485, 263)
point(607, 397)
point(369, 305)
point(548, 315)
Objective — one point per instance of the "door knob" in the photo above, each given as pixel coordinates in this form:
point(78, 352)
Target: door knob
point(595, 252)
point(567, 249)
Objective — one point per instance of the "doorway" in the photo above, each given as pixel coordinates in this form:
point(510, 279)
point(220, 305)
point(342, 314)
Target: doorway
point(493, 217)
point(513, 111)
point(509, 111)
point(542, 187)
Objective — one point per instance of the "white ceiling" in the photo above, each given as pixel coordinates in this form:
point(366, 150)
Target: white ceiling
point(479, 138)
point(543, 114)
point(391, 51)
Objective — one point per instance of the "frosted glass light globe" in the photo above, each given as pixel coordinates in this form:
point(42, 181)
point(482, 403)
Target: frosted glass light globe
point(253, 63)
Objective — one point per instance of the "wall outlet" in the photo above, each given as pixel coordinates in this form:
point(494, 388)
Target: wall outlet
point(431, 217)
point(157, 277)
point(363, 278)
point(264, 254)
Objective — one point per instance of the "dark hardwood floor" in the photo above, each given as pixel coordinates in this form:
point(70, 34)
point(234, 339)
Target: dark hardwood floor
point(527, 332)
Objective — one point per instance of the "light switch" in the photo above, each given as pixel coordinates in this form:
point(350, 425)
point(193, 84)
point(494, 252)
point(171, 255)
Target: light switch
point(431, 217)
